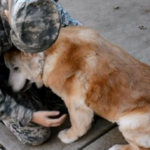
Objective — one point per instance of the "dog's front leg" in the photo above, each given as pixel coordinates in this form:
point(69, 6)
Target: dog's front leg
point(81, 118)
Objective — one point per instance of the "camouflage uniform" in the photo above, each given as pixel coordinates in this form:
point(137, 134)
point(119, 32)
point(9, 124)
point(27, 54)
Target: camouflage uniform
point(16, 110)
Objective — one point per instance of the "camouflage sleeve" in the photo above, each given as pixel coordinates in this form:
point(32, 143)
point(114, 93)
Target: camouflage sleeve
point(4, 42)
point(66, 19)
point(10, 109)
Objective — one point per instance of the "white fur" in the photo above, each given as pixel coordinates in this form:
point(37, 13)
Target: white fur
point(144, 140)
point(17, 78)
point(136, 127)
point(48, 68)
point(134, 121)
point(116, 147)
point(16, 81)
point(62, 136)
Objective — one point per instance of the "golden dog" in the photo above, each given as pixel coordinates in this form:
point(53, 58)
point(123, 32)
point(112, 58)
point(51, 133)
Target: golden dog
point(92, 76)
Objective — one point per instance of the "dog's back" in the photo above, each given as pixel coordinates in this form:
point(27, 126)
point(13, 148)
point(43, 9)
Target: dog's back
point(92, 75)
point(111, 78)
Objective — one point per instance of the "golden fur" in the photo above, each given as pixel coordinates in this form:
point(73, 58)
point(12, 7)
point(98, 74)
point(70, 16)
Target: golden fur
point(92, 76)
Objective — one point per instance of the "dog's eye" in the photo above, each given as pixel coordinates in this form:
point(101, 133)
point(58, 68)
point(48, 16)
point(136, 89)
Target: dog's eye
point(16, 68)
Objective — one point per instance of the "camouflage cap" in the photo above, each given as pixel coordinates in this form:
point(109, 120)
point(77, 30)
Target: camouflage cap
point(35, 24)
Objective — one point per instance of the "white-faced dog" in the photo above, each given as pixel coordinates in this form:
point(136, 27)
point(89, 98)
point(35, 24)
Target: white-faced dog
point(92, 76)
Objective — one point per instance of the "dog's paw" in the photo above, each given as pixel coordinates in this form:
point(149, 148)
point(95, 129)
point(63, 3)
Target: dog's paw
point(116, 147)
point(66, 137)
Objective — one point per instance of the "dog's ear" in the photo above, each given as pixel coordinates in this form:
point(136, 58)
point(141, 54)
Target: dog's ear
point(36, 64)
point(6, 59)
point(11, 56)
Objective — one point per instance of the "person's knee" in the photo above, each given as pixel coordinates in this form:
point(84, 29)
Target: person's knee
point(32, 134)
point(36, 136)
point(41, 137)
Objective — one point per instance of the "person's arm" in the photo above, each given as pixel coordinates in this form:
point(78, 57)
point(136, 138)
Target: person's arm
point(10, 109)
point(5, 43)
point(8, 106)
point(66, 19)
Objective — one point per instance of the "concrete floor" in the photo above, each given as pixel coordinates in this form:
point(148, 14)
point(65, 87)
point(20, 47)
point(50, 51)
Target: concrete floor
point(123, 22)
point(120, 26)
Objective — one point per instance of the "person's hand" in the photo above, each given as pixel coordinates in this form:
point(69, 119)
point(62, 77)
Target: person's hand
point(9, 7)
point(44, 118)
point(6, 13)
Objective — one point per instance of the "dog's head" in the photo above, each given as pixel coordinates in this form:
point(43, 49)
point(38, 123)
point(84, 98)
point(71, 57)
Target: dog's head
point(25, 69)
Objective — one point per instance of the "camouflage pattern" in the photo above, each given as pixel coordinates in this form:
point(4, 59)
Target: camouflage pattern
point(66, 19)
point(32, 21)
point(5, 41)
point(32, 134)
point(16, 110)
point(42, 21)
point(9, 108)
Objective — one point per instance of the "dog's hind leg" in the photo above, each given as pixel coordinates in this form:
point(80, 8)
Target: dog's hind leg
point(138, 139)
point(81, 118)
point(127, 147)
